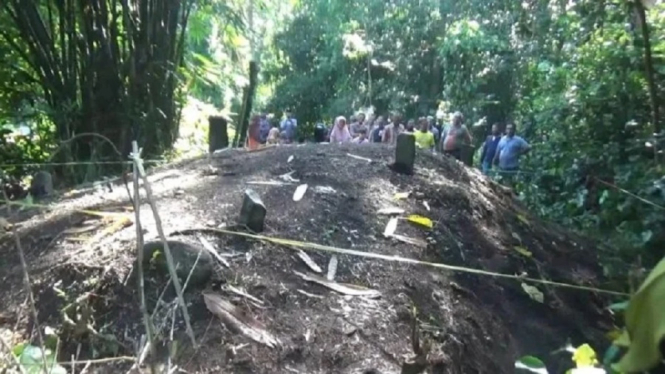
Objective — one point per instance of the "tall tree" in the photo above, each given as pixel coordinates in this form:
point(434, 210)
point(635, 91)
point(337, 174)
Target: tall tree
point(104, 66)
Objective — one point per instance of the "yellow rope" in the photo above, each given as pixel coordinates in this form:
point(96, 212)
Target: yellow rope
point(351, 252)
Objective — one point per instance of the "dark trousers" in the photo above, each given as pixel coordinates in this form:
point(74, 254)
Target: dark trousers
point(455, 153)
point(508, 175)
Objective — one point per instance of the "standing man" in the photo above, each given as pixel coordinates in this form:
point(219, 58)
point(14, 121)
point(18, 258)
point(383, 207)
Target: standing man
point(508, 153)
point(489, 149)
point(288, 127)
point(424, 137)
point(457, 137)
point(264, 128)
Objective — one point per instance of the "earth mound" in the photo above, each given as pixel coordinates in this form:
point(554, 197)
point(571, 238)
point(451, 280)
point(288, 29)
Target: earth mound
point(472, 323)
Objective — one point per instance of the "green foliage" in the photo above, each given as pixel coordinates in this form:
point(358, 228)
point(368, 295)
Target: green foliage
point(570, 75)
point(32, 362)
point(645, 325)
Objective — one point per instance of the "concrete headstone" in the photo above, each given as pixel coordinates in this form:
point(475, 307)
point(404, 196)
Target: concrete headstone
point(252, 212)
point(41, 184)
point(405, 153)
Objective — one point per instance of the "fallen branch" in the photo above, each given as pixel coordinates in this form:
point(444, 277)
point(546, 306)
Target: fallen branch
point(209, 247)
point(237, 321)
point(244, 294)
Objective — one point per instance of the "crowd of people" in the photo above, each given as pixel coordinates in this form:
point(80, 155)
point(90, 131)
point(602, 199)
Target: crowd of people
point(500, 150)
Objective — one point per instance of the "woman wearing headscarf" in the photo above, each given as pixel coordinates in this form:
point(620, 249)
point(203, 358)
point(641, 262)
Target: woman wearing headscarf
point(340, 132)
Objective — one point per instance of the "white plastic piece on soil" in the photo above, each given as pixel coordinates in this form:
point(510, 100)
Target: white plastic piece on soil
point(300, 192)
point(290, 159)
point(332, 268)
point(391, 227)
point(391, 211)
point(426, 205)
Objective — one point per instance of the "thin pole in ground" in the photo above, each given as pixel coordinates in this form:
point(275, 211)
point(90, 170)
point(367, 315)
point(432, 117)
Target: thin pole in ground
point(136, 154)
point(28, 285)
point(167, 251)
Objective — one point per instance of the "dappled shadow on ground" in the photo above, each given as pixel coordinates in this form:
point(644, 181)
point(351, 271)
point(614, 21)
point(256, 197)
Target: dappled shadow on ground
point(475, 323)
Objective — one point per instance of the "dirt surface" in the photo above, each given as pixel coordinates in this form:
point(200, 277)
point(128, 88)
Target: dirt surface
point(473, 323)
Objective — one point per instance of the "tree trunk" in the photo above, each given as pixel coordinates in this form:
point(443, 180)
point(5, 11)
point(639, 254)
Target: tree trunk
point(248, 102)
point(648, 65)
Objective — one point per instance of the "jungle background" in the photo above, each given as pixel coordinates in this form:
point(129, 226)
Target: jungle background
point(583, 80)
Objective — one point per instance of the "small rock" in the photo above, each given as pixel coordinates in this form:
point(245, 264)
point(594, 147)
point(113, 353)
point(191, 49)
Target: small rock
point(184, 257)
point(252, 212)
point(405, 153)
point(41, 184)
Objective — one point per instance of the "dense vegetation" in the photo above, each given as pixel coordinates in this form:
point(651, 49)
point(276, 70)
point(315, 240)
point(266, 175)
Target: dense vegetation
point(580, 78)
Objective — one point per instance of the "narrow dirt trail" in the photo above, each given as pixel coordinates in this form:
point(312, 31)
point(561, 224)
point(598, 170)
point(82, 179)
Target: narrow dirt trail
point(475, 324)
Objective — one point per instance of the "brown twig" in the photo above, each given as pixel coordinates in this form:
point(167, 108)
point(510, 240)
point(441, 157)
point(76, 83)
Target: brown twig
point(27, 284)
point(139, 248)
point(100, 360)
point(167, 250)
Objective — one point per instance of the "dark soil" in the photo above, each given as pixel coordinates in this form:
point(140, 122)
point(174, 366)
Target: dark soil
point(474, 323)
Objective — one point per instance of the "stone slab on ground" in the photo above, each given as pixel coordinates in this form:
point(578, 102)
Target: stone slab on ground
point(184, 256)
point(252, 212)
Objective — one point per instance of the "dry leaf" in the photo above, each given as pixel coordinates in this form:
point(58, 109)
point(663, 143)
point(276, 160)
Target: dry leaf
point(420, 220)
point(533, 293)
point(523, 251)
point(390, 227)
point(236, 320)
point(325, 189)
point(346, 289)
point(391, 211)
point(401, 195)
point(413, 241)
point(308, 260)
point(300, 192)
point(332, 268)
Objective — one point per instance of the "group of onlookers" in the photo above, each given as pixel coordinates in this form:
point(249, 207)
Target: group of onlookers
point(262, 132)
point(452, 139)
